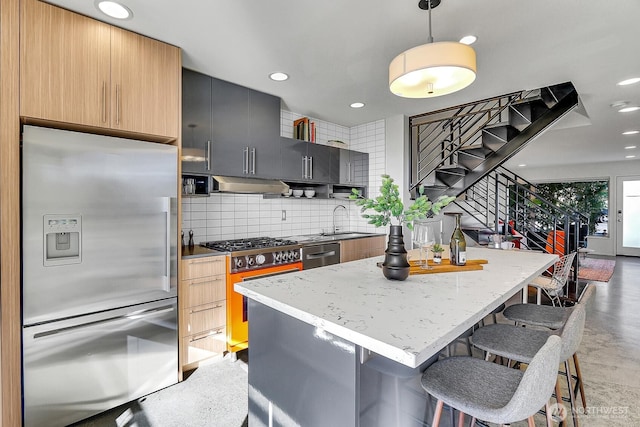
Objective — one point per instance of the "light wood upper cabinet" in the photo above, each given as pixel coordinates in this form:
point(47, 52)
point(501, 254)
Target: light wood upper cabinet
point(80, 71)
point(64, 66)
point(145, 84)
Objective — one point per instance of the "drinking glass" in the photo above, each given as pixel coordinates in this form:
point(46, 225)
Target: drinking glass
point(428, 242)
point(419, 236)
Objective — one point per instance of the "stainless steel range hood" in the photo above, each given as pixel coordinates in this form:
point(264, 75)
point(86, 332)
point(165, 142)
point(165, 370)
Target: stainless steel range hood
point(232, 184)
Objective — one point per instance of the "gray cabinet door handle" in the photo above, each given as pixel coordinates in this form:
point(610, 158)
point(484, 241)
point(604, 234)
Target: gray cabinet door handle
point(245, 160)
point(208, 155)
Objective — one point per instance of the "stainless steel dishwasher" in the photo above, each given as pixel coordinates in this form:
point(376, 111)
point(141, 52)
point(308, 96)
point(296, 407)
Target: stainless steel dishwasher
point(320, 254)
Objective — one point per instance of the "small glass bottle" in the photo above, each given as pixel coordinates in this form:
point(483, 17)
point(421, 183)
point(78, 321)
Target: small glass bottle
point(458, 244)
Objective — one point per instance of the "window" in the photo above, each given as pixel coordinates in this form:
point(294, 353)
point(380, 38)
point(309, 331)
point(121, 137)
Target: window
point(590, 198)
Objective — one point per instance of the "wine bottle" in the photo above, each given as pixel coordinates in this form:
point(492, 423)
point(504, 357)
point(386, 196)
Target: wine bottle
point(458, 245)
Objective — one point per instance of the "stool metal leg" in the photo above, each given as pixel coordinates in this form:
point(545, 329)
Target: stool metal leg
point(572, 398)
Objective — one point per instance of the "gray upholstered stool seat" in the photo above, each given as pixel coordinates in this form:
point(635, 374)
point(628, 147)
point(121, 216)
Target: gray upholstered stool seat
point(493, 392)
point(553, 318)
point(510, 341)
point(461, 382)
point(521, 344)
point(538, 315)
point(544, 315)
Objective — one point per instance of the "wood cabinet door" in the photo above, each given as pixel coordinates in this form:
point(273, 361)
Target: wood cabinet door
point(145, 84)
point(64, 66)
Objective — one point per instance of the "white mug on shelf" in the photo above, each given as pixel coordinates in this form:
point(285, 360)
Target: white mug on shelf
point(507, 245)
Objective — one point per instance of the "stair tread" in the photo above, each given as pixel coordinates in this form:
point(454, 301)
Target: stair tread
point(456, 170)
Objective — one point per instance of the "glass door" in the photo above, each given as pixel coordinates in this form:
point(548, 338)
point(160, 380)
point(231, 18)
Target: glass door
point(628, 216)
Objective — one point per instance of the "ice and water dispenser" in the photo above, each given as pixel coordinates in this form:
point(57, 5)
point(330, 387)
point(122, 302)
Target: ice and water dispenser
point(62, 239)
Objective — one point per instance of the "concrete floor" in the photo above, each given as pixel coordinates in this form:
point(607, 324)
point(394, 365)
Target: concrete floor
point(216, 394)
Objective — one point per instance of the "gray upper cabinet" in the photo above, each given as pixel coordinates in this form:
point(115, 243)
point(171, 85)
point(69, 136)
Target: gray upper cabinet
point(354, 168)
point(234, 128)
point(264, 135)
point(230, 129)
point(196, 122)
point(307, 162)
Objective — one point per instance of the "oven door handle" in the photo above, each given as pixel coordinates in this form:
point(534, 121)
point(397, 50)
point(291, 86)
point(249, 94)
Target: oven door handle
point(319, 255)
point(276, 273)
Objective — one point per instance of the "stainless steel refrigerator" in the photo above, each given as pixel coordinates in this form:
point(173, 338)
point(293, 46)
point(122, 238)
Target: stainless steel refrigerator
point(99, 272)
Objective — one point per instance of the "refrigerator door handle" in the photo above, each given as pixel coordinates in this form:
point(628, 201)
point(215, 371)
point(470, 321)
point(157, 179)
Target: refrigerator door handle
point(166, 281)
point(134, 315)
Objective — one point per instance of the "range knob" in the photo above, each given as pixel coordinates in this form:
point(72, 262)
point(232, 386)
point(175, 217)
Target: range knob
point(250, 261)
point(296, 255)
point(260, 259)
point(277, 256)
point(290, 255)
point(238, 262)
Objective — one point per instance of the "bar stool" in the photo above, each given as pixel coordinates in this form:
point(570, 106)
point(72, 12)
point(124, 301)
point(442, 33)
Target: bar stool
point(552, 286)
point(521, 344)
point(553, 318)
point(493, 392)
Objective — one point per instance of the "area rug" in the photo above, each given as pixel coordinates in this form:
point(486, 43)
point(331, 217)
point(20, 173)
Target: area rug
point(596, 269)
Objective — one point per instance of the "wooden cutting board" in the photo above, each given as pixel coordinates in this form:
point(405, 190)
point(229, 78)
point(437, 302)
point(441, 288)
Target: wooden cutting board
point(446, 267)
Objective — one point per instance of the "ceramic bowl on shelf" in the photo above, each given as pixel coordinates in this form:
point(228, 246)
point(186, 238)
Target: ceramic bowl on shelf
point(298, 193)
point(309, 193)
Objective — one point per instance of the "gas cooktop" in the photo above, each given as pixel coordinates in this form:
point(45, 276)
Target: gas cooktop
point(258, 252)
point(248, 244)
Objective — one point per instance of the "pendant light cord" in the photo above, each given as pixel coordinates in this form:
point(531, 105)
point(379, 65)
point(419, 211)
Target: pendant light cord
point(430, 39)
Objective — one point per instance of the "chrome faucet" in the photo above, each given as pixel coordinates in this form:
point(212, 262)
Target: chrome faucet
point(334, 216)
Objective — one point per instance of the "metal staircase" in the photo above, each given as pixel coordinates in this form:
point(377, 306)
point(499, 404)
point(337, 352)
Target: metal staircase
point(452, 149)
point(459, 152)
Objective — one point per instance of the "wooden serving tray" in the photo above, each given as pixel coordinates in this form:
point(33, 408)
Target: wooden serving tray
point(446, 267)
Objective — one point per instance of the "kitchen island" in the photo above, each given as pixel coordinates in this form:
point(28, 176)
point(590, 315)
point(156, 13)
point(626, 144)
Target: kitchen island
point(313, 332)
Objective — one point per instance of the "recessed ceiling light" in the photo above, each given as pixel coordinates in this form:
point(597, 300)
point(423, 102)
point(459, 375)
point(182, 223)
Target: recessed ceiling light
point(629, 109)
point(114, 9)
point(468, 40)
point(629, 147)
point(522, 165)
point(629, 157)
point(278, 76)
point(631, 132)
point(357, 105)
point(629, 81)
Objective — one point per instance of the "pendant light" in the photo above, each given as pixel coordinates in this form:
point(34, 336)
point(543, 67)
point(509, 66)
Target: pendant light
point(432, 69)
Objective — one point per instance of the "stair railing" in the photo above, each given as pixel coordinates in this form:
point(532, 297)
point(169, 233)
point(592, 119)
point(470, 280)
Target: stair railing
point(502, 201)
point(441, 134)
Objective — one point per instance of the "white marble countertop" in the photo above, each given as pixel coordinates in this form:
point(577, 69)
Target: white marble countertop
point(407, 321)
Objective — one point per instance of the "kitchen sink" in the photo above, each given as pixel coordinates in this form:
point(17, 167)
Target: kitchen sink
point(335, 236)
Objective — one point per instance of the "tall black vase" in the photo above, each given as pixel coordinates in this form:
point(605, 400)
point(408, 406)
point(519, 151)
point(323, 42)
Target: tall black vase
point(395, 266)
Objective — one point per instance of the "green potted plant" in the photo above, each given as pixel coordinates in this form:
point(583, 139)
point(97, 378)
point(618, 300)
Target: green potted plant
point(437, 253)
point(388, 209)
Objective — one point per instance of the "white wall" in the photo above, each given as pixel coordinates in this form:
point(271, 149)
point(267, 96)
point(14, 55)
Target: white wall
point(235, 216)
point(602, 171)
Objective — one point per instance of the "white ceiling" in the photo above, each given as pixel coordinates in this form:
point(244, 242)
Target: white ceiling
point(338, 52)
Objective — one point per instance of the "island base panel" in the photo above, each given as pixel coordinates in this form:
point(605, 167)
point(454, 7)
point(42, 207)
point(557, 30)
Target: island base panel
point(302, 375)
